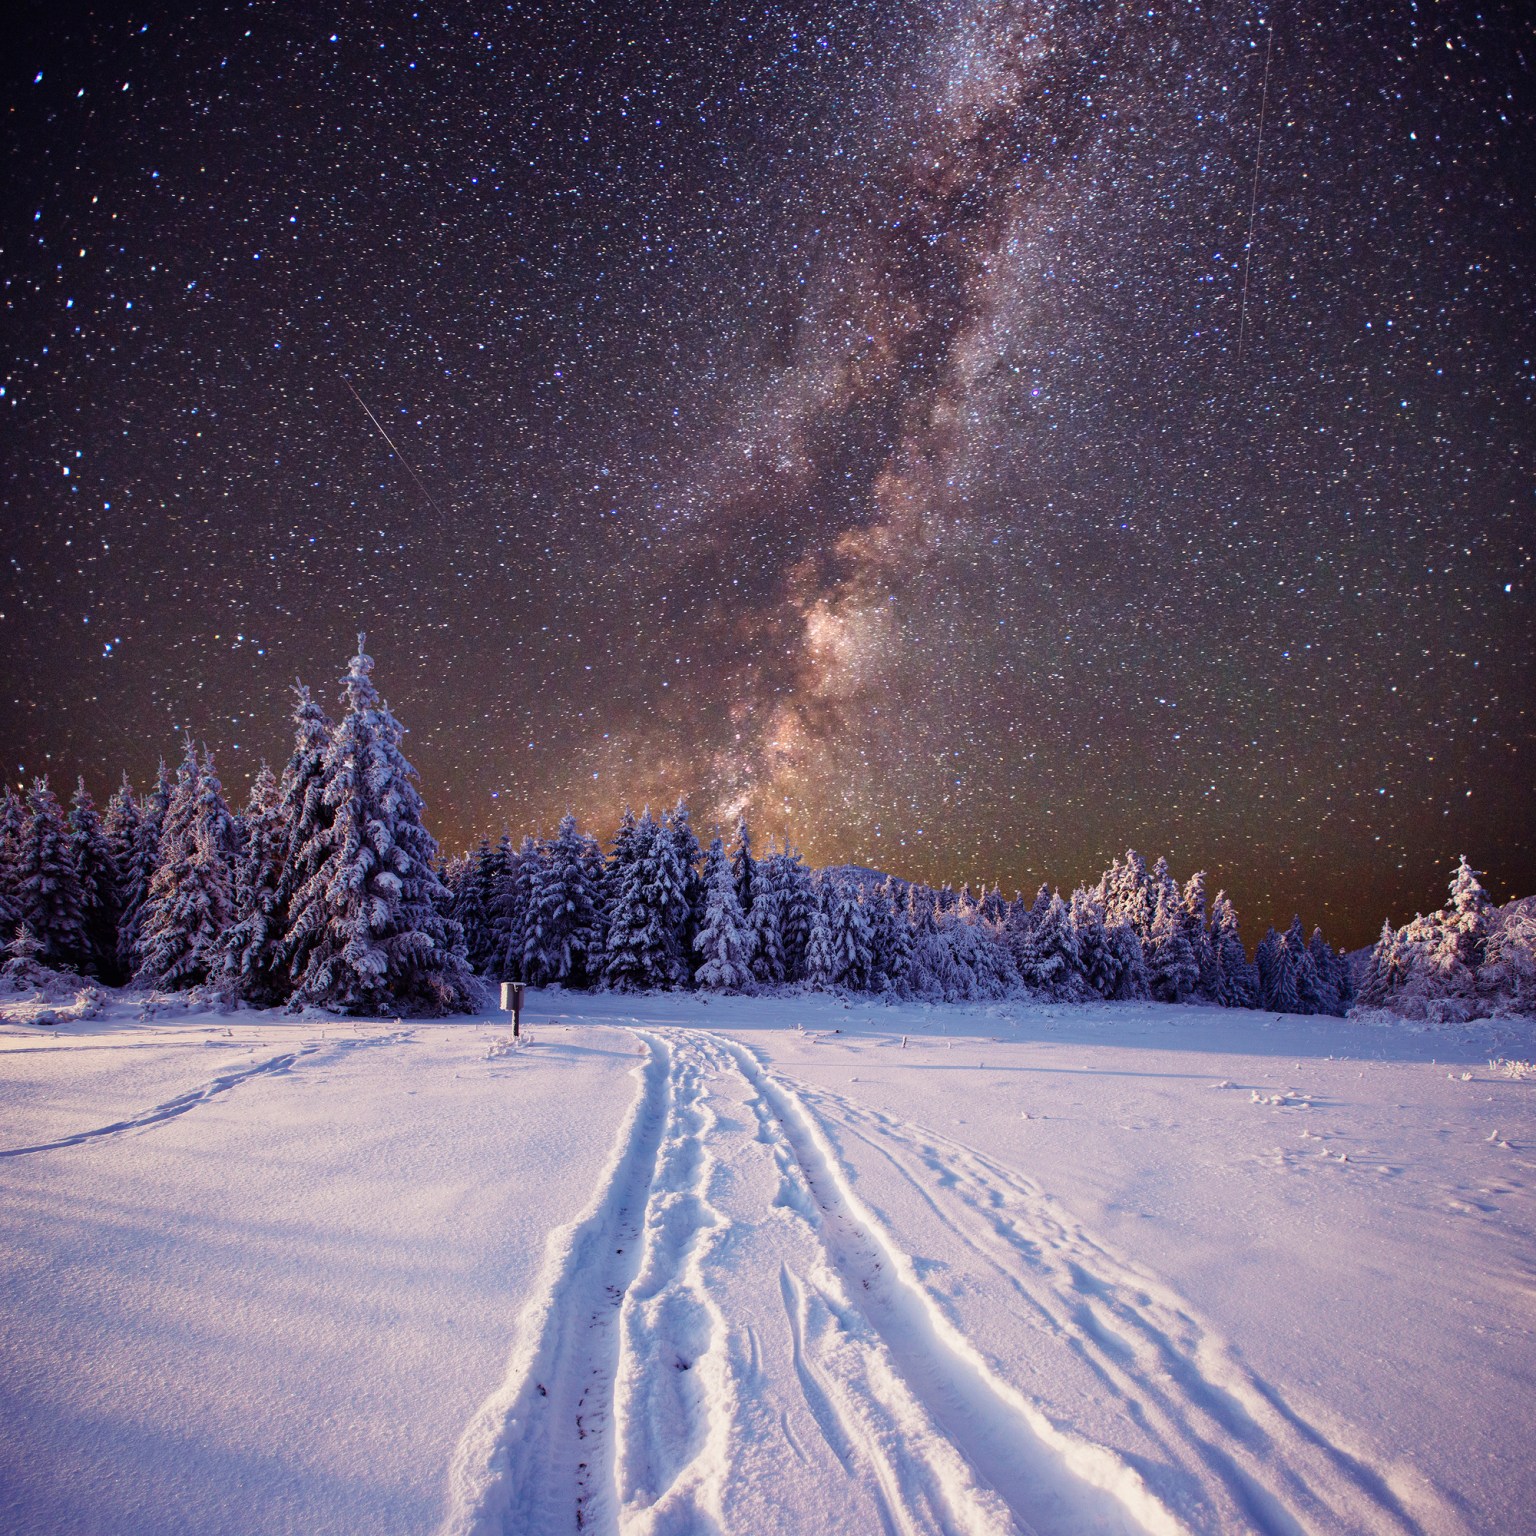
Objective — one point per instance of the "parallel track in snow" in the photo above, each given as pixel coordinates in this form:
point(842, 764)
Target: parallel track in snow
point(221, 1084)
point(1251, 1460)
point(729, 1316)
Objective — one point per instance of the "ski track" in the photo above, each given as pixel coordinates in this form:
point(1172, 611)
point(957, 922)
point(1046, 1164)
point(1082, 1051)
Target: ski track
point(201, 1095)
point(645, 1395)
point(1239, 1456)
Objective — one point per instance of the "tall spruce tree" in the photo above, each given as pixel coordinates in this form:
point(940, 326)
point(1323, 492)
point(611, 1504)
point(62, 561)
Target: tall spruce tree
point(1309, 996)
point(792, 881)
point(743, 865)
point(377, 911)
point(723, 942)
point(639, 946)
point(254, 955)
point(1233, 976)
point(568, 947)
point(97, 872)
point(120, 826)
point(12, 821)
point(306, 831)
point(1174, 970)
point(685, 845)
point(820, 950)
point(1051, 961)
point(190, 899)
point(49, 901)
point(851, 957)
point(766, 921)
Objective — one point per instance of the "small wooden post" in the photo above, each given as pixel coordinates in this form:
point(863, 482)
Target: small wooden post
point(512, 1002)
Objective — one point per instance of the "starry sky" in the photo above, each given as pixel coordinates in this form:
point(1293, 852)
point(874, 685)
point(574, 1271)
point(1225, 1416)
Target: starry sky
point(875, 417)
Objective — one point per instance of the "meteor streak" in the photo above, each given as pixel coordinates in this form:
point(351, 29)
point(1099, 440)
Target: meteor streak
point(420, 485)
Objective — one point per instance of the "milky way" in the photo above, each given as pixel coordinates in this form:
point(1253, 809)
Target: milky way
point(834, 412)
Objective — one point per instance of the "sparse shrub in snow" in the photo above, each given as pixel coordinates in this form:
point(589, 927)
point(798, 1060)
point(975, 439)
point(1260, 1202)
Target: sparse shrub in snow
point(34, 993)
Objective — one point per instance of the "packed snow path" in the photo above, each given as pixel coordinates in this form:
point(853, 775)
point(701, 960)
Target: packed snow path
point(729, 1319)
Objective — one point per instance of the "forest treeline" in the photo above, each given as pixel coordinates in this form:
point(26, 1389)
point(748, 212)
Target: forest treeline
point(327, 889)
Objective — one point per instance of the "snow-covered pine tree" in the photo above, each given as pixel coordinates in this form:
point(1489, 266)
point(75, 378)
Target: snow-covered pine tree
point(723, 941)
point(1234, 981)
point(975, 963)
point(1134, 980)
point(890, 941)
point(458, 877)
point(637, 948)
point(792, 881)
point(48, 897)
point(1197, 930)
point(1264, 968)
point(566, 916)
point(188, 907)
point(1174, 972)
point(376, 907)
point(850, 938)
point(495, 883)
point(685, 845)
point(533, 967)
point(306, 832)
point(120, 825)
point(820, 953)
point(1309, 995)
point(1126, 895)
point(1383, 973)
point(766, 924)
point(516, 903)
point(1325, 969)
point(1465, 924)
point(254, 961)
point(12, 821)
point(469, 881)
point(1051, 961)
point(671, 880)
point(1087, 919)
point(1507, 976)
point(743, 865)
point(1281, 994)
point(137, 863)
point(98, 875)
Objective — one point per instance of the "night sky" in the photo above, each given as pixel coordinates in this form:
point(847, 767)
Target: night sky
point(870, 415)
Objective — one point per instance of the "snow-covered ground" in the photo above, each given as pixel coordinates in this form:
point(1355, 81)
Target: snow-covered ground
point(687, 1265)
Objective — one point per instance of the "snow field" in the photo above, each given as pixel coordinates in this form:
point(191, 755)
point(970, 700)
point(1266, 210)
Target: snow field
point(782, 1264)
point(277, 1310)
